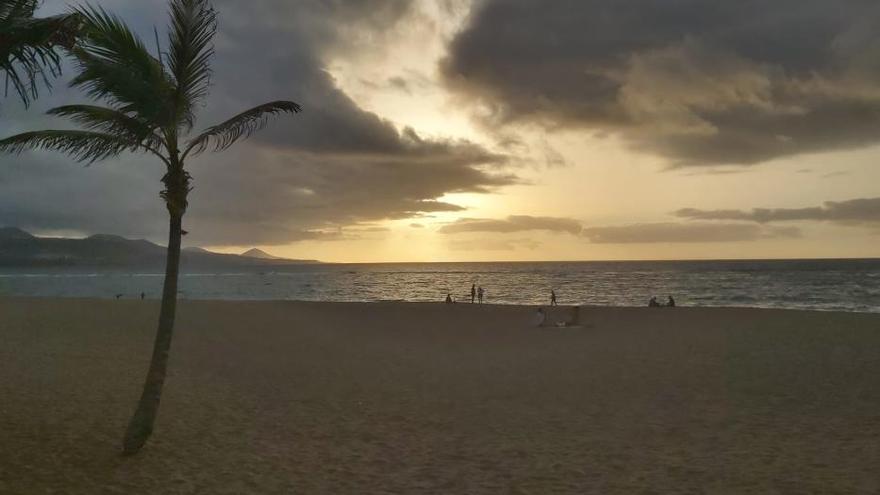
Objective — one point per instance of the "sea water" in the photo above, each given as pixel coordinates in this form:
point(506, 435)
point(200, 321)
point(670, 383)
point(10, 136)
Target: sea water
point(841, 285)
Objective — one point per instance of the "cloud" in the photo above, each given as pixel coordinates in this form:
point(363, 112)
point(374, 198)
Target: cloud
point(513, 223)
point(493, 244)
point(344, 189)
point(834, 175)
point(699, 82)
point(331, 166)
point(851, 212)
point(641, 233)
point(399, 83)
point(368, 229)
point(648, 233)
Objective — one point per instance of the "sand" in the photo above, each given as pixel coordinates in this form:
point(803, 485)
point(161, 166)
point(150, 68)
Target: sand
point(283, 397)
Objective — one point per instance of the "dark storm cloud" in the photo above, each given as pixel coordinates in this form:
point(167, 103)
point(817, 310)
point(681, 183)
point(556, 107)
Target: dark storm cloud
point(45, 192)
point(649, 233)
point(324, 190)
point(513, 223)
point(333, 165)
point(855, 211)
point(700, 82)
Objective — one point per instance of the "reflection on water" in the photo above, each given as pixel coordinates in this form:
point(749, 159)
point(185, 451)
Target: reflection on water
point(848, 285)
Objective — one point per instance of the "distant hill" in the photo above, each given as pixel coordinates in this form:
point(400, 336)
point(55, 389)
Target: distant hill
point(21, 249)
point(195, 249)
point(260, 254)
point(12, 233)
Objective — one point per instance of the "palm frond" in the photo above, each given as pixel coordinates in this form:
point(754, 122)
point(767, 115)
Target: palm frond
point(115, 66)
point(109, 121)
point(193, 25)
point(28, 46)
point(224, 135)
point(83, 146)
point(20, 54)
point(17, 8)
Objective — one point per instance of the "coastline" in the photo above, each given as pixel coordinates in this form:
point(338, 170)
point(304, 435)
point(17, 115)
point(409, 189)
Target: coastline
point(796, 284)
point(529, 307)
point(279, 396)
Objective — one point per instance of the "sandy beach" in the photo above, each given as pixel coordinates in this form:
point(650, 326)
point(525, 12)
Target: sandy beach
point(284, 397)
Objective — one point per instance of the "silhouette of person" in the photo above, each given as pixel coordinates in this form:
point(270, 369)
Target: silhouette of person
point(480, 293)
point(473, 292)
point(448, 298)
point(671, 302)
point(653, 302)
point(143, 295)
point(553, 298)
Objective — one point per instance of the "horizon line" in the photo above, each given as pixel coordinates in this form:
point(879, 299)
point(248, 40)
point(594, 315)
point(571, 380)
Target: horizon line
point(858, 258)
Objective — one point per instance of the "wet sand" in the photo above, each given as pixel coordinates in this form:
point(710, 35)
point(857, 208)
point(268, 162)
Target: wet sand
point(282, 397)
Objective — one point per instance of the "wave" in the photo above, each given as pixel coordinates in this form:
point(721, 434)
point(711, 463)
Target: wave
point(839, 286)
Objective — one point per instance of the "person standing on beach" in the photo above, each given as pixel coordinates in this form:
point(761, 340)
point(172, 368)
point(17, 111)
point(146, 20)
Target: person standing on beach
point(480, 293)
point(473, 292)
point(553, 298)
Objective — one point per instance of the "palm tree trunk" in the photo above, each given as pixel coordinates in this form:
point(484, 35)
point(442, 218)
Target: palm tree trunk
point(141, 425)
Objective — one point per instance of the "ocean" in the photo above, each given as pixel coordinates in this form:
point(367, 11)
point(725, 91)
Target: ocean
point(839, 285)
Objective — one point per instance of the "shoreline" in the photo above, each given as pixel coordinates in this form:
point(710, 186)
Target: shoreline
point(441, 303)
point(850, 286)
point(299, 263)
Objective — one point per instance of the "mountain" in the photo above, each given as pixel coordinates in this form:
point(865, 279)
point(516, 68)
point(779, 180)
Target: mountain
point(13, 233)
point(260, 254)
point(21, 249)
point(195, 249)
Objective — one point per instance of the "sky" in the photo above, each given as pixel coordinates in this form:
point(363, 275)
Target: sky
point(476, 130)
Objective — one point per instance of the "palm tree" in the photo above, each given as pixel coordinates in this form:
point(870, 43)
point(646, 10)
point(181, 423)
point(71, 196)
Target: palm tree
point(28, 46)
point(150, 107)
